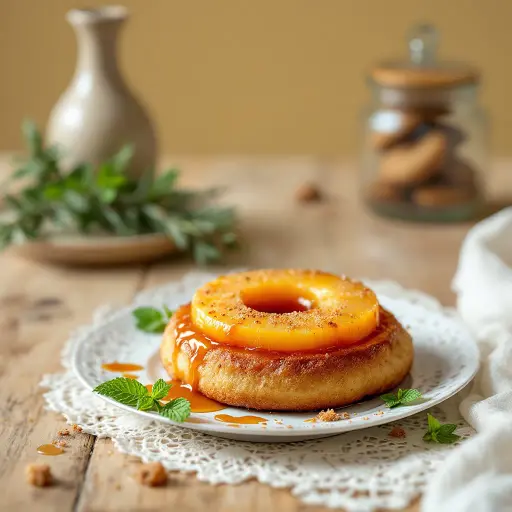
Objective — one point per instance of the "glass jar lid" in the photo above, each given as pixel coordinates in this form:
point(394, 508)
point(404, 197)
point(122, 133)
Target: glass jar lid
point(423, 70)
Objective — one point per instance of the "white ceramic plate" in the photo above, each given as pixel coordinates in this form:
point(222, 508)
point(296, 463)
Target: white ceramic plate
point(446, 359)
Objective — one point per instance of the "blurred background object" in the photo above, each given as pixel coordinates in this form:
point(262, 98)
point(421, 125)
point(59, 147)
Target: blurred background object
point(98, 114)
point(425, 151)
point(250, 77)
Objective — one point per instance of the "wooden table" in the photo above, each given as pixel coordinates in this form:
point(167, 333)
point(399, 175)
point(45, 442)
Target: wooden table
point(41, 304)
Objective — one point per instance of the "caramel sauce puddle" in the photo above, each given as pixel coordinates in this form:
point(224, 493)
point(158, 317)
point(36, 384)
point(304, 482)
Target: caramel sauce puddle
point(49, 449)
point(242, 420)
point(121, 367)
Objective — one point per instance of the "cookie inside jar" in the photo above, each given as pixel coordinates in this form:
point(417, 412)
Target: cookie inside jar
point(425, 137)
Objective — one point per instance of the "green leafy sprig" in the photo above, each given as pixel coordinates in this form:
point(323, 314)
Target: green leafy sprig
point(437, 433)
point(131, 392)
point(90, 199)
point(402, 397)
point(152, 320)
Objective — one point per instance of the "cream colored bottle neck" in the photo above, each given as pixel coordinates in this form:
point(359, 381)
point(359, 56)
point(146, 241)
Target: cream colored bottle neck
point(97, 54)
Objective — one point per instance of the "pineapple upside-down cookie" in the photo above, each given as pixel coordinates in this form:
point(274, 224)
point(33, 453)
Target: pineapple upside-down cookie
point(286, 340)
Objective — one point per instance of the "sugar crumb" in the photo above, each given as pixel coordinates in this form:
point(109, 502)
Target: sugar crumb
point(39, 475)
point(398, 432)
point(76, 428)
point(152, 474)
point(308, 193)
point(328, 415)
point(63, 432)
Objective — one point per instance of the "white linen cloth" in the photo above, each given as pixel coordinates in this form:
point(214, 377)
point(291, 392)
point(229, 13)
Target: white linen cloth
point(477, 477)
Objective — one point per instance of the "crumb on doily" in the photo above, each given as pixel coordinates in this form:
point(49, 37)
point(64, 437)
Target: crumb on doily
point(328, 415)
point(152, 474)
point(63, 432)
point(39, 475)
point(308, 193)
point(76, 428)
point(398, 432)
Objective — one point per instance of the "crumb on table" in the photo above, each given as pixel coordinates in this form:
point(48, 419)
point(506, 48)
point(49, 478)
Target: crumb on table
point(39, 475)
point(76, 428)
point(398, 432)
point(328, 415)
point(152, 474)
point(63, 432)
point(308, 193)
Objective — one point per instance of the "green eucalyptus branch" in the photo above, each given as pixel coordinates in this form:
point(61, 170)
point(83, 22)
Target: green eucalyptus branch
point(105, 198)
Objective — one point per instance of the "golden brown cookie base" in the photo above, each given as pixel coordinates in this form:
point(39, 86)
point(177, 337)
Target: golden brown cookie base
point(304, 381)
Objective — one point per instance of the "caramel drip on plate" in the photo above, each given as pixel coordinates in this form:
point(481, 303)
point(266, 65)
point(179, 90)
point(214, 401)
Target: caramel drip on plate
point(243, 420)
point(121, 367)
point(198, 402)
point(130, 376)
point(49, 449)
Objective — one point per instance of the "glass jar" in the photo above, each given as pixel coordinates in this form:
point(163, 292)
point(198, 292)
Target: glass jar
point(425, 144)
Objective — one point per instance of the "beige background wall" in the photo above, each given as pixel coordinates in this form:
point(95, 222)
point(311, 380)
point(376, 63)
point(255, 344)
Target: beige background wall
point(260, 76)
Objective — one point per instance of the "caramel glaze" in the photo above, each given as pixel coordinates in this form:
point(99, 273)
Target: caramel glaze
point(198, 402)
point(130, 376)
point(198, 344)
point(121, 367)
point(242, 420)
point(49, 449)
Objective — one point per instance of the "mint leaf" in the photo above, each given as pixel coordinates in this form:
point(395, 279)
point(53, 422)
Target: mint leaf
point(145, 403)
point(433, 423)
point(403, 396)
point(447, 429)
point(131, 392)
point(409, 395)
point(447, 439)
point(122, 390)
point(390, 399)
point(176, 410)
point(160, 389)
point(152, 320)
point(149, 320)
point(443, 434)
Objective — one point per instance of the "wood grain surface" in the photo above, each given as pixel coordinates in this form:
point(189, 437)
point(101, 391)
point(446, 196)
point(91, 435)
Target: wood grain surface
point(41, 304)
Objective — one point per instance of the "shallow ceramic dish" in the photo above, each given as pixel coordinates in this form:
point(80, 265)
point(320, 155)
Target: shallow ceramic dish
point(97, 250)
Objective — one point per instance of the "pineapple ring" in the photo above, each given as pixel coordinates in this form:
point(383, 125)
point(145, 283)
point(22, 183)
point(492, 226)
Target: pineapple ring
point(285, 310)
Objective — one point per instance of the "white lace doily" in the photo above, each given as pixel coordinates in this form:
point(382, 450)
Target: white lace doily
point(360, 471)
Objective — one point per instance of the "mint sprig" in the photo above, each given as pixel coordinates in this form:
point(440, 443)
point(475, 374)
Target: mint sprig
point(152, 320)
point(438, 433)
point(131, 392)
point(402, 397)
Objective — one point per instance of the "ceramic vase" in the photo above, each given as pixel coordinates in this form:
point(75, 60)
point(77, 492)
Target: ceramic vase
point(98, 113)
